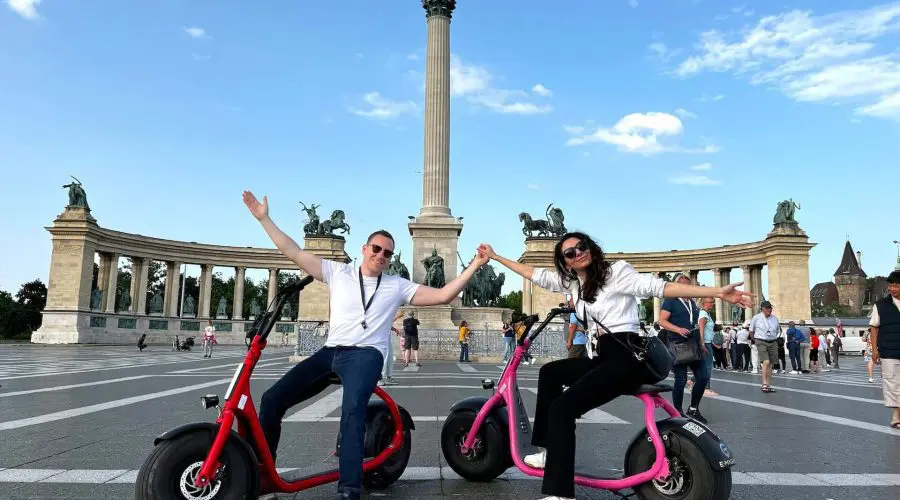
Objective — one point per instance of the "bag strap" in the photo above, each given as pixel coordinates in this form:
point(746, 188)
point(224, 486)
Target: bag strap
point(638, 352)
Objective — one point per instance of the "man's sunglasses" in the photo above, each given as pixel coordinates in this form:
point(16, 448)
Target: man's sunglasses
point(571, 252)
point(377, 249)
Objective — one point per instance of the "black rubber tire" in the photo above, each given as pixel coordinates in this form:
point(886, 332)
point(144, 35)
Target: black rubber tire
point(160, 475)
point(490, 460)
point(700, 482)
point(379, 434)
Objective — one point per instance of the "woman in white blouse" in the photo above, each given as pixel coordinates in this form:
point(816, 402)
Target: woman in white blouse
point(603, 292)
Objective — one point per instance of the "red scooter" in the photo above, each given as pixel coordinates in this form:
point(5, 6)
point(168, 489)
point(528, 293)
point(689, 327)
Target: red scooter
point(206, 461)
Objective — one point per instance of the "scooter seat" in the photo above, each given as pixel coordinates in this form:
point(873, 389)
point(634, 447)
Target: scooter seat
point(653, 389)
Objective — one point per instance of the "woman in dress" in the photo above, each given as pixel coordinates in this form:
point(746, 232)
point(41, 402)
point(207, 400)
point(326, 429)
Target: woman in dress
point(603, 292)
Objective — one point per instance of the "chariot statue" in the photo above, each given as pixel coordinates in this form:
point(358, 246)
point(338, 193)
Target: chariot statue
point(784, 214)
point(312, 219)
point(336, 222)
point(553, 226)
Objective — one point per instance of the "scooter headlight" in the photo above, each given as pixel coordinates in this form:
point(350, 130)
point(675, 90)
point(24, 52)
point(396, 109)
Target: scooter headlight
point(209, 401)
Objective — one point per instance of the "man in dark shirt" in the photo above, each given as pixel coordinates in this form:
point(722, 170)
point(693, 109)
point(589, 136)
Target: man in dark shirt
point(411, 337)
point(679, 318)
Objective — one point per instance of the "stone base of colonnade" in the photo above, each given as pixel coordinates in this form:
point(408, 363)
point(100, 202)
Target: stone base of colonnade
point(79, 327)
point(443, 345)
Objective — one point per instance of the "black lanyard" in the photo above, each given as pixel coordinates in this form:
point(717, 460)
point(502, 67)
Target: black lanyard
point(362, 296)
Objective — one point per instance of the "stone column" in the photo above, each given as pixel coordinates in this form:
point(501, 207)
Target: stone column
point(203, 301)
point(109, 295)
point(527, 299)
point(103, 278)
point(273, 286)
point(173, 285)
point(695, 277)
point(657, 306)
point(436, 177)
point(237, 303)
point(747, 272)
point(722, 277)
point(140, 267)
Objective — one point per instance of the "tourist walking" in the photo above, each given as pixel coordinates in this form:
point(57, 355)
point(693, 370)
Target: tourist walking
point(727, 359)
point(707, 327)
point(209, 338)
point(509, 341)
point(678, 316)
point(813, 350)
point(885, 323)
point(794, 337)
point(805, 347)
point(387, 366)
point(411, 338)
point(764, 330)
point(464, 333)
point(576, 341)
point(867, 355)
point(744, 355)
point(835, 344)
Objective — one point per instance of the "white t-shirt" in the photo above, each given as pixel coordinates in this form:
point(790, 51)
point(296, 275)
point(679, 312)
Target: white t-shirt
point(347, 312)
point(614, 304)
point(822, 344)
point(743, 336)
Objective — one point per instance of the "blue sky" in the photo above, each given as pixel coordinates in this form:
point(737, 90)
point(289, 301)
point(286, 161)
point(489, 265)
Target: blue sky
point(653, 124)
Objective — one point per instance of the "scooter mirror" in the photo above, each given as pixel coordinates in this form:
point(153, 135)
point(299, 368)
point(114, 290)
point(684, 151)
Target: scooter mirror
point(209, 401)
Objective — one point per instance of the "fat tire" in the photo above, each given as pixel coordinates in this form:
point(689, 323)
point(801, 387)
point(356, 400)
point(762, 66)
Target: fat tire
point(495, 458)
point(379, 434)
point(706, 483)
point(159, 475)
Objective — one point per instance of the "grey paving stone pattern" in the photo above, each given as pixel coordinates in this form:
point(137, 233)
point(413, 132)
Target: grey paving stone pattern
point(78, 421)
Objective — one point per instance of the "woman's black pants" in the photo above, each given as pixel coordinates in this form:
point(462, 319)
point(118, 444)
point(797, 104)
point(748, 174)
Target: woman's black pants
point(612, 372)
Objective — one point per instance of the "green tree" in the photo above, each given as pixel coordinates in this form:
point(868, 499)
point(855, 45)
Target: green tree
point(512, 300)
point(12, 320)
point(31, 299)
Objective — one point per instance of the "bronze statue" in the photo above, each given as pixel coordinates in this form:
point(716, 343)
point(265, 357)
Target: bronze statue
point(223, 304)
point(124, 302)
point(484, 289)
point(287, 312)
point(254, 308)
point(156, 305)
point(735, 312)
point(553, 227)
point(784, 214)
point(77, 196)
point(434, 270)
point(96, 296)
point(188, 305)
point(642, 312)
point(397, 268)
point(312, 225)
point(335, 222)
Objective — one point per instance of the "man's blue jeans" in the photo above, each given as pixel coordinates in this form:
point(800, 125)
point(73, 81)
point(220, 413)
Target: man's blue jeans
point(359, 369)
point(794, 352)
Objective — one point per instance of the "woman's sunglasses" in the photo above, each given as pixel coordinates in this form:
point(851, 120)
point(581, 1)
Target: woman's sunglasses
point(377, 249)
point(571, 252)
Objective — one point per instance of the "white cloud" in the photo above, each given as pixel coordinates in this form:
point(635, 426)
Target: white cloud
point(195, 32)
point(541, 90)
point(25, 8)
point(694, 180)
point(831, 58)
point(200, 57)
point(475, 84)
point(662, 51)
point(412, 56)
point(702, 166)
point(637, 133)
point(532, 185)
point(633, 3)
point(685, 113)
point(384, 109)
point(707, 98)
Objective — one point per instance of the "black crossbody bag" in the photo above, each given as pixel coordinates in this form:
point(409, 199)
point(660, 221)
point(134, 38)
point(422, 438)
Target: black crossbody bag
point(650, 351)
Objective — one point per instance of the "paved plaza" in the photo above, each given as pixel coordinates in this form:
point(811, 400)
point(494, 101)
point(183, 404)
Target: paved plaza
point(78, 421)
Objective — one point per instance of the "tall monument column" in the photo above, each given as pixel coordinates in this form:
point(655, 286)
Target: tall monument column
point(435, 228)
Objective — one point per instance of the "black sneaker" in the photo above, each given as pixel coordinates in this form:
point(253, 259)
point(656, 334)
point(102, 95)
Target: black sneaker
point(695, 414)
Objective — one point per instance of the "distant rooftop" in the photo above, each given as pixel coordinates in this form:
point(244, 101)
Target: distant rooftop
point(849, 265)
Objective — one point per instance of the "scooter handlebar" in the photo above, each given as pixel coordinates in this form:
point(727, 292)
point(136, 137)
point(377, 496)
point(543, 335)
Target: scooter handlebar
point(531, 320)
point(263, 326)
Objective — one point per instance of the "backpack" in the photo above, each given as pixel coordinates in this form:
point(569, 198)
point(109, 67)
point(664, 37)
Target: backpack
point(837, 341)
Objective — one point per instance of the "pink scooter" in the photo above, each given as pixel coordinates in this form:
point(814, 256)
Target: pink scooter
point(674, 458)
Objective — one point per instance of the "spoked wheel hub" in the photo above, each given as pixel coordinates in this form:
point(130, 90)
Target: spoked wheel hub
point(473, 453)
point(678, 482)
point(190, 491)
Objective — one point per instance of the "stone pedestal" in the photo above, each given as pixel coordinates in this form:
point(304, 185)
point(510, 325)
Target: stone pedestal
point(436, 233)
point(314, 301)
point(787, 255)
point(536, 300)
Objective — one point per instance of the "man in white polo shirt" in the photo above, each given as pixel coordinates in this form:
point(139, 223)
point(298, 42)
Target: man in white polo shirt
point(364, 303)
point(764, 330)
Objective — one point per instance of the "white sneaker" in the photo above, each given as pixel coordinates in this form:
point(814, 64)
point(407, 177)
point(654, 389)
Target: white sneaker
point(794, 372)
point(537, 461)
point(871, 380)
